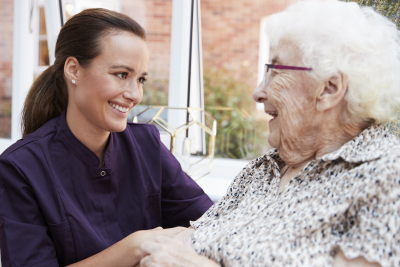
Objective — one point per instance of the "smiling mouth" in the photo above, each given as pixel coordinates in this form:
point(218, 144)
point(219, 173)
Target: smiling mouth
point(273, 114)
point(119, 108)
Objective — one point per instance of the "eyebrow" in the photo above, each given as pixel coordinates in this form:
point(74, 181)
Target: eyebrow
point(127, 68)
point(122, 67)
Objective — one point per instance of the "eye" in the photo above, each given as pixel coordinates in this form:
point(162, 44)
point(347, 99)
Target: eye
point(274, 72)
point(142, 80)
point(122, 75)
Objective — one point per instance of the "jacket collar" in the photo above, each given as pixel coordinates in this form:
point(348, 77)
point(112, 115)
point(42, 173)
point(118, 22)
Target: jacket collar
point(79, 149)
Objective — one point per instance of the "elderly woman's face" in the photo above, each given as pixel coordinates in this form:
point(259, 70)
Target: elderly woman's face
point(289, 96)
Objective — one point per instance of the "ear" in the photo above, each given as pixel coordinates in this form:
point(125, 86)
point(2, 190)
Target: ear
point(333, 91)
point(71, 68)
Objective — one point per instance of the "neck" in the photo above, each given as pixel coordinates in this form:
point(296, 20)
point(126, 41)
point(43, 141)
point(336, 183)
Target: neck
point(331, 134)
point(92, 137)
point(336, 134)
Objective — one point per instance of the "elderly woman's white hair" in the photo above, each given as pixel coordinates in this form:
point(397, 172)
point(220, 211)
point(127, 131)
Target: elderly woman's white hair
point(342, 37)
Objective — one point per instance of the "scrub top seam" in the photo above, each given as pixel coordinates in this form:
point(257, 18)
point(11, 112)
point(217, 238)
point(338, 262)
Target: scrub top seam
point(54, 181)
point(18, 170)
point(22, 145)
point(59, 196)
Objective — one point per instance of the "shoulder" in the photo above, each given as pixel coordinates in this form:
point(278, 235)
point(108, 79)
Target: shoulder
point(259, 167)
point(251, 177)
point(145, 135)
point(138, 129)
point(385, 161)
point(28, 142)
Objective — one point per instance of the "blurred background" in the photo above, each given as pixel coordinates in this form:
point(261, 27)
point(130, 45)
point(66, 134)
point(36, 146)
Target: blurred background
point(230, 49)
point(231, 52)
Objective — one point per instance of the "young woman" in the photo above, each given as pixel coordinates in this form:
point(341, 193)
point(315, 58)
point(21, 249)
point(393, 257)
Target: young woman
point(83, 184)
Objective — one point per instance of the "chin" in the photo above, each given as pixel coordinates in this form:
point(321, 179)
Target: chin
point(272, 141)
point(117, 127)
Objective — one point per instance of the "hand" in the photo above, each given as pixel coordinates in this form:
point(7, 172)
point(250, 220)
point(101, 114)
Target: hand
point(139, 237)
point(168, 252)
point(150, 235)
point(185, 236)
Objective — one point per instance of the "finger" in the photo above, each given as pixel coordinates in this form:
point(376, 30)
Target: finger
point(188, 244)
point(149, 247)
point(168, 242)
point(159, 228)
point(143, 262)
point(163, 239)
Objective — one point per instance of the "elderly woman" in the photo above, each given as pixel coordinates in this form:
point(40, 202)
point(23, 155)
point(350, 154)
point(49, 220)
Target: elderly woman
point(328, 194)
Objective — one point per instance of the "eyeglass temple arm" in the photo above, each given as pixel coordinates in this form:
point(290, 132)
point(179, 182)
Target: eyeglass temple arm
point(284, 67)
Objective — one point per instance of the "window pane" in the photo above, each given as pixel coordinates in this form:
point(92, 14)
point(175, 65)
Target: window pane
point(155, 17)
point(231, 55)
point(43, 48)
point(6, 51)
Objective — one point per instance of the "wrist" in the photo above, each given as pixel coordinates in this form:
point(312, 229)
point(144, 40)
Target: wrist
point(134, 243)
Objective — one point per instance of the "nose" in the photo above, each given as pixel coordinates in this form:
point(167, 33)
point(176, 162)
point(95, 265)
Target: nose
point(133, 92)
point(260, 93)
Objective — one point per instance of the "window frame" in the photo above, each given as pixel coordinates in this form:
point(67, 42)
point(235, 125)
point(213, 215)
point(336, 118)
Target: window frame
point(23, 58)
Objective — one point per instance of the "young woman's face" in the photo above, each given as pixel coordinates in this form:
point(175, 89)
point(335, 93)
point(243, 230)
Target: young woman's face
point(112, 84)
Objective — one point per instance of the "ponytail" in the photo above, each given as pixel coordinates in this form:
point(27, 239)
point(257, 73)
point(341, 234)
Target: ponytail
point(80, 38)
point(46, 99)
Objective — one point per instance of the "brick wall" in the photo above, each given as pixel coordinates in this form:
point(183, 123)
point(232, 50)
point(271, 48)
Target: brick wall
point(230, 33)
point(155, 17)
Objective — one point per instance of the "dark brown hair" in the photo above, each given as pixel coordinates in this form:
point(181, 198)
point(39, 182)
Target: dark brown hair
point(80, 37)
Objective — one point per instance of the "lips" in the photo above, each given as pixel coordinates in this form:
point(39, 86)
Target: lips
point(273, 114)
point(119, 107)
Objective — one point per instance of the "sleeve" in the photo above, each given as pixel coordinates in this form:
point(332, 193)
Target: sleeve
point(24, 235)
point(374, 219)
point(182, 199)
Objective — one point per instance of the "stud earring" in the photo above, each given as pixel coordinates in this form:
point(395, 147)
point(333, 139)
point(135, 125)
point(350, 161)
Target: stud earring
point(73, 81)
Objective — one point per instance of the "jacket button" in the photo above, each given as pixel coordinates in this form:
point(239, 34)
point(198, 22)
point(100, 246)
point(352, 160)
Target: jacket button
point(103, 173)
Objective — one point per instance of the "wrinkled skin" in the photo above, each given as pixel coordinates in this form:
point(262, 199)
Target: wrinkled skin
point(173, 252)
point(312, 121)
point(312, 118)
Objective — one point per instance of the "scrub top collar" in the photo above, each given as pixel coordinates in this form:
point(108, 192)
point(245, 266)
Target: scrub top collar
point(80, 150)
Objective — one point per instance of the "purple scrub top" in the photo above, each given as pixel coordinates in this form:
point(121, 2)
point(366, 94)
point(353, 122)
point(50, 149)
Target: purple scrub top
point(57, 207)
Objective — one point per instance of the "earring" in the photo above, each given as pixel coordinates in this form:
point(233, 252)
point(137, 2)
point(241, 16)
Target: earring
point(73, 81)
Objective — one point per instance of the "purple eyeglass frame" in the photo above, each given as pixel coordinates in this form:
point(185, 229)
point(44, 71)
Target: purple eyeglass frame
point(281, 67)
point(284, 67)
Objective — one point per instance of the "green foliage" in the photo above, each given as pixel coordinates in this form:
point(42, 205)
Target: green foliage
point(155, 92)
point(229, 101)
point(387, 8)
point(239, 135)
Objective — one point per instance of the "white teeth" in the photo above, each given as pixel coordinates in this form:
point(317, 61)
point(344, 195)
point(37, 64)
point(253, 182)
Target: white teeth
point(121, 109)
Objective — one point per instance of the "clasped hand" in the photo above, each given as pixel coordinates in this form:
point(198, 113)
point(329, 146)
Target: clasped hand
point(167, 252)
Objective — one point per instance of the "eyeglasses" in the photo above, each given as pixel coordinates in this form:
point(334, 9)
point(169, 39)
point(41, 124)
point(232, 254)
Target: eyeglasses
point(280, 67)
